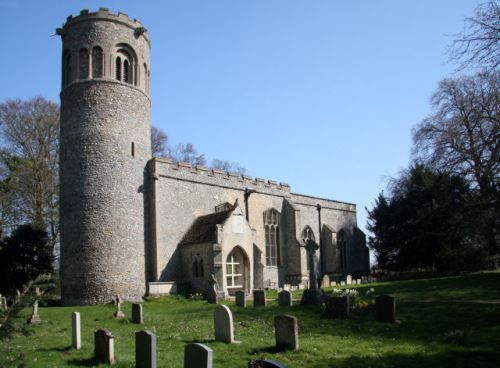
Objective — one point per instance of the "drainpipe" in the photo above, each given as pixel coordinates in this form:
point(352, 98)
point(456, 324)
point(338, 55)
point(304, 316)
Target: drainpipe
point(321, 253)
point(247, 194)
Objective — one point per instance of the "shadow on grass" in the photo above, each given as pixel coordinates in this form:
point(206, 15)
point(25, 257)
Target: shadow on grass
point(60, 349)
point(86, 362)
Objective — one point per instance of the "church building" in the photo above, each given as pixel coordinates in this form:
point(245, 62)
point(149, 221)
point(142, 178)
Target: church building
point(133, 225)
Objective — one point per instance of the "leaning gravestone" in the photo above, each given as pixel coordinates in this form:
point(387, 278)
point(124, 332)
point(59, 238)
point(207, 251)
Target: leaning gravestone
point(35, 318)
point(118, 311)
point(76, 337)
point(259, 298)
point(286, 330)
point(145, 349)
point(240, 298)
point(285, 298)
point(104, 346)
point(266, 363)
point(137, 315)
point(386, 308)
point(337, 306)
point(326, 281)
point(223, 324)
point(198, 356)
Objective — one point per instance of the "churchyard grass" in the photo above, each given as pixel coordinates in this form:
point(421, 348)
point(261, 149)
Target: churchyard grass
point(445, 322)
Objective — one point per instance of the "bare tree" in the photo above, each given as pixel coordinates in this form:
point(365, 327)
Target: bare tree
point(227, 166)
point(462, 136)
point(159, 142)
point(185, 152)
point(479, 44)
point(30, 132)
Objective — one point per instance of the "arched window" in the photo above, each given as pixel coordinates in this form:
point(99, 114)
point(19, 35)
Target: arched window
point(67, 73)
point(307, 233)
point(126, 71)
point(272, 233)
point(118, 68)
point(97, 62)
point(235, 268)
point(342, 248)
point(125, 64)
point(83, 64)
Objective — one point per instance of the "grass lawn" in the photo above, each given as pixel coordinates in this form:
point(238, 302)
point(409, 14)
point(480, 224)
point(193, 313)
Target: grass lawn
point(430, 310)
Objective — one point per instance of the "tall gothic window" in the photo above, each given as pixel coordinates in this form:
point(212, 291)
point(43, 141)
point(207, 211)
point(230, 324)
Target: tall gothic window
point(118, 68)
point(272, 233)
point(342, 248)
point(307, 233)
point(97, 62)
point(83, 64)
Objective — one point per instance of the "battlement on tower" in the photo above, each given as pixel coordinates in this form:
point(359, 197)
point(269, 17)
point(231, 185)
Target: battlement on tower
point(163, 167)
point(104, 13)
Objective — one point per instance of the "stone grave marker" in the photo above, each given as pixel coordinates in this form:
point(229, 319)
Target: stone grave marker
point(137, 315)
point(259, 298)
point(333, 283)
point(104, 346)
point(198, 356)
point(212, 296)
point(35, 318)
point(338, 306)
point(386, 308)
point(342, 283)
point(326, 281)
point(145, 349)
point(17, 297)
point(223, 324)
point(285, 298)
point(240, 299)
point(287, 287)
point(76, 333)
point(118, 311)
point(265, 363)
point(286, 329)
point(348, 280)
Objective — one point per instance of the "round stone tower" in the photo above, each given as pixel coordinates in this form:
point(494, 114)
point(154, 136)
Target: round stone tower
point(104, 148)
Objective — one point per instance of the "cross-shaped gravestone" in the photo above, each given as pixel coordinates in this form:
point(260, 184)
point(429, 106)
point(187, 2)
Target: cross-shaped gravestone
point(118, 311)
point(312, 247)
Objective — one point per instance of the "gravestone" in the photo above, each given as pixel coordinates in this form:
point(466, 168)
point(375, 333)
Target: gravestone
point(145, 349)
point(223, 324)
point(35, 318)
point(2, 306)
point(286, 329)
point(76, 333)
point(240, 298)
point(17, 297)
point(287, 287)
point(348, 280)
point(259, 298)
point(266, 363)
point(358, 281)
point(5, 305)
point(137, 315)
point(363, 280)
point(326, 281)
point(338, 306)
point(285, 298)
point(313, 295)
point(198, 356)
point(342, 283)
point(333, 283)
point(118, 311)
point(386, 308)
point(212, 296)
point(104, 346)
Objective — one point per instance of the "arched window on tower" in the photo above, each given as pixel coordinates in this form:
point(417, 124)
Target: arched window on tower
point(342, 248)
point(97, 62)
point(272, 234)
point(67, 72)
point(125, 64)
point(83, 64)
point(307, 233)
point(118, 68)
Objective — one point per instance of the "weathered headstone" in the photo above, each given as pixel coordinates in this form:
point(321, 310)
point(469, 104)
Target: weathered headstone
point(137, 315)
point(104, 346)
point(76, 333)
point(326, 281)
point(240, 298)
point(285, 298)
point(212, 296)
point(313, 295)
point(348, 280)
point(333, 283)
point(145, 349)
point(286, 330)
point(223, 324)
point(265, 363)
point(386, 308)
point(338, 306)
point(287, 287)
point(259, 298)
point(35, 318)
point(358, 281)
point(342, 283)
point(118, 308)
point(198, 356)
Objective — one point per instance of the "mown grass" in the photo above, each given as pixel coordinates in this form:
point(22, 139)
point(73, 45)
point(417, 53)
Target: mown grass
point(430, 311)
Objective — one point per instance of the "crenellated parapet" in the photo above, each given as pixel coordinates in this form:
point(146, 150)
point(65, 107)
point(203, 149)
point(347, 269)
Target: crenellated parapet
point(162, 167)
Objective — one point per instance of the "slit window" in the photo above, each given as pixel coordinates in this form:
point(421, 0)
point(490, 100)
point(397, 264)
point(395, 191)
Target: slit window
point(132, 149)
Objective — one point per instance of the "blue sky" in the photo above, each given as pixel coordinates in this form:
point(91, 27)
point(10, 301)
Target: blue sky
point(319, 94)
